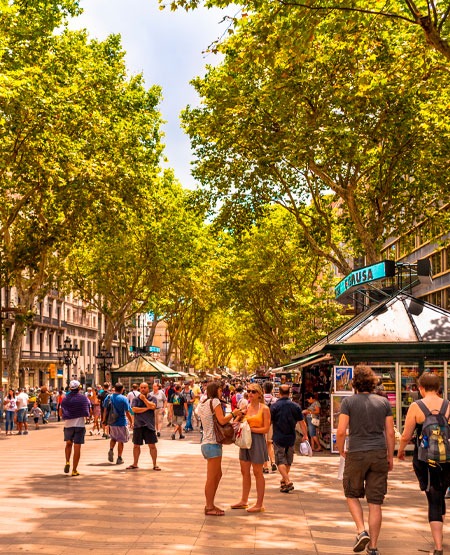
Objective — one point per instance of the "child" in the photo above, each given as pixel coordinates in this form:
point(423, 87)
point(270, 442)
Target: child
point(36, 412)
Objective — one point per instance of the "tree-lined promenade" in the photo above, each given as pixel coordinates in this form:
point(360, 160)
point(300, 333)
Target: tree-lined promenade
point(108, 510)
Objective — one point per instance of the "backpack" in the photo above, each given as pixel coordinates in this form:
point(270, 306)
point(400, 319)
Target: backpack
point(433, 443)
point(111, 414)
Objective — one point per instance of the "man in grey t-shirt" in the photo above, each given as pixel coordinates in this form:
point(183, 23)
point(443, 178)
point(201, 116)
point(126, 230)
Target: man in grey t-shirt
point(370, 454)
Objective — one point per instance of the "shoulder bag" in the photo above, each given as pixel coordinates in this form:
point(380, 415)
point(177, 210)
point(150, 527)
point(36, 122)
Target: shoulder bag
point(224, 433)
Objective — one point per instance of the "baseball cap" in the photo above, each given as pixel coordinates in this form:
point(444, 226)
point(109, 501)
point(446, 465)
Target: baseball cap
point(74, 384)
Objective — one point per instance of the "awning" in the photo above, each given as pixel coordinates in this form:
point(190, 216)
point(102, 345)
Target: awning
point(302, 363)
point(146, 366)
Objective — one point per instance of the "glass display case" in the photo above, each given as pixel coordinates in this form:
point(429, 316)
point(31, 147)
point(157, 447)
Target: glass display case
point(386, 373)
point(409, 372)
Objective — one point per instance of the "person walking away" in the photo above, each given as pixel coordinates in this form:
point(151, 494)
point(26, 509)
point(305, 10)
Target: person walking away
point(43, 400)
point(59, 401)
point(312, 412)
point(434, 479)
point(258, 418)
point(161, 403)
point(74, 410)
point(369, 457)
point(211, 450)
point(179, 409)
point(269, 399)
point(22, 412)
point(102, 394)
point(118, 430)
point(10, 406)
point(189, 399)
point(144, 426)
point(285, 416)
point(36, 412)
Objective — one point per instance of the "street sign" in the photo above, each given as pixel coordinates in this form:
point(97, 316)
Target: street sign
point(381, 270)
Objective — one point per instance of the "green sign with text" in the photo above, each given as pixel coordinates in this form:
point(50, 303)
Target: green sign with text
point(367, 274)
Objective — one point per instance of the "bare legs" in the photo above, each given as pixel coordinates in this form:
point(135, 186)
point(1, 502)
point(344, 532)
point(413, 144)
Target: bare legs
point(76, 454)
point(137, 452)
point(375, 519)
point(213, 477)
point(247, 482)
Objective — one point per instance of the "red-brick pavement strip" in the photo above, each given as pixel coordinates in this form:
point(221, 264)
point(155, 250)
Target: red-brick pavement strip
point(110, 510)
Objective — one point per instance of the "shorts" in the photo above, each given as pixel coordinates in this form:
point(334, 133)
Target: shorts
point(312, 430)
point(177, 420)
point(22, 415)
point(211, 450)
point(144, 435)
point(36, 419)
point(365, 473)
point(119, 433)
point(75, 435)
point(284, 455)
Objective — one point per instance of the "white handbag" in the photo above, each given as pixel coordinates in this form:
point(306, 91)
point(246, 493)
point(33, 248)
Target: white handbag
point(243, 437)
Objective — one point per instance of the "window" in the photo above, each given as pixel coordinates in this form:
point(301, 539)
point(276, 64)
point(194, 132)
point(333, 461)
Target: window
point(436, 263)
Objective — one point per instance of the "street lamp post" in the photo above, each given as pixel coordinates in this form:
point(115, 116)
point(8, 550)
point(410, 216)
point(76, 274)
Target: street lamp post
point(68, 355)
point(104, 361)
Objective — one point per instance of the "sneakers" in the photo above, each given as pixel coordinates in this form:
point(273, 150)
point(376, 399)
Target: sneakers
point(75, 473)
point(111, 455)
point(182, 436)
point(274, 467)
point(374, 551)
point(119, 460)
point(361, 542)
point(173, 436)
point(158, 434)
point(25, 433)
point(67, 467)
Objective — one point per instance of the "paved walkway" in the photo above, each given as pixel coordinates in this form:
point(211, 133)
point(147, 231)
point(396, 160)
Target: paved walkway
point(108, 510)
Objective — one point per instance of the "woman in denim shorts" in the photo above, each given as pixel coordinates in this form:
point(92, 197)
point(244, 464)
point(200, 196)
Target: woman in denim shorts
point(211, 450)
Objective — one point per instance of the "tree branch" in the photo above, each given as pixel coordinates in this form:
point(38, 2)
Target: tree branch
point(348, 9)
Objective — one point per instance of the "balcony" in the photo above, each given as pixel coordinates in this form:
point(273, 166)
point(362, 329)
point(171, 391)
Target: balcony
point(37, 355)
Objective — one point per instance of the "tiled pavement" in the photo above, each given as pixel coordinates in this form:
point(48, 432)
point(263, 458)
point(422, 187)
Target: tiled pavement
point(108, 510)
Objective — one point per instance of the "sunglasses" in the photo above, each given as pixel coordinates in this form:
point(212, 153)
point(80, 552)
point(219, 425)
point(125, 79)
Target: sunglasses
point(252, 391)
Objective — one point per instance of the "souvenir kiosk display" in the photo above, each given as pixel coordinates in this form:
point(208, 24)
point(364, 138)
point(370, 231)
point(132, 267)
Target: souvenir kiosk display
point(398, 335)
point(316, 378)
point(342, 387)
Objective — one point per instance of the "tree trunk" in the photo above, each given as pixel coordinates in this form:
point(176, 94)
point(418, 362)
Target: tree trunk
point(16, 348)
point(152, 331)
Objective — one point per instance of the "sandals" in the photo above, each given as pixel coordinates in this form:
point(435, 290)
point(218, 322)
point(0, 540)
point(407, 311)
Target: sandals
point(156, 468)
point(240, 506)
point(131, 467)
point(214, 511)
point(256, 510)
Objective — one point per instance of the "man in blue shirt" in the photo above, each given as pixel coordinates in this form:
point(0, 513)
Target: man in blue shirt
point(285, 415)
point(117, 404)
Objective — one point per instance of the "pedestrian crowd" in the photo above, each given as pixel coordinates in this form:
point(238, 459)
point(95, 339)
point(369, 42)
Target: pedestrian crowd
point(273, 428)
